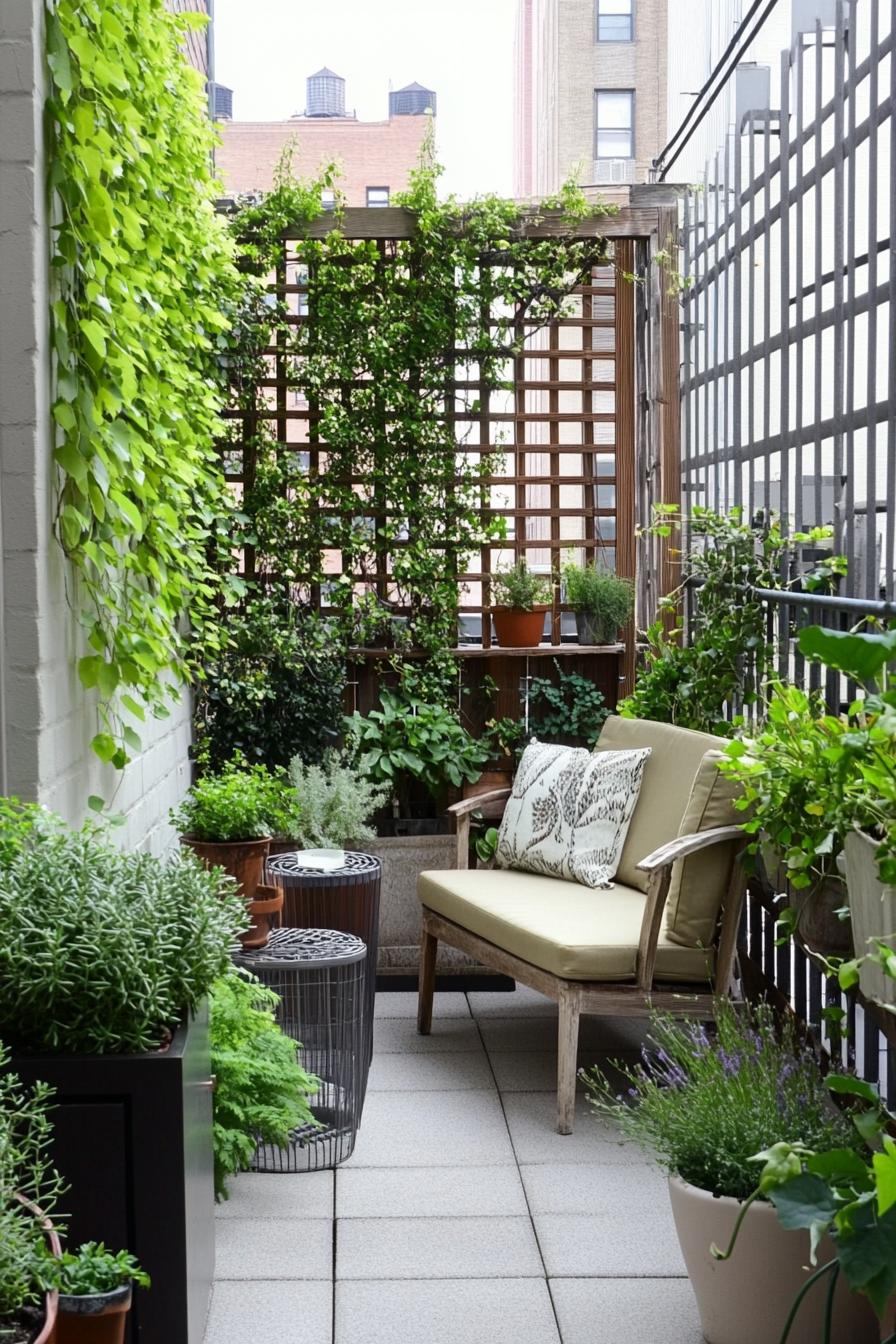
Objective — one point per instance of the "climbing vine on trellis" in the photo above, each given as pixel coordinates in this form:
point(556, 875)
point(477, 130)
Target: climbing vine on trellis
point(389, 322)
point(143, 279)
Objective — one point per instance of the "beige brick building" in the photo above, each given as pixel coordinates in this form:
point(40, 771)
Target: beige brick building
point(590, 91)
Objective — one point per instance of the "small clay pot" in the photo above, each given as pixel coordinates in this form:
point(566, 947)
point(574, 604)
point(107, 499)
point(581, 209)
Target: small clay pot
point(518, 629)
point(264, 911)
point(242, 859)
point(99, 1318)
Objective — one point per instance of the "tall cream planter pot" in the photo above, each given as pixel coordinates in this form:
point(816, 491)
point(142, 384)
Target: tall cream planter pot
point(745, 1300)
point(873, 910)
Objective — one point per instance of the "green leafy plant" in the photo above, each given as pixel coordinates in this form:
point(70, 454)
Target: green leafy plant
point(572, 710)
point(241, 803)
point(262, 1091)
point(486, 844)
point(277, 688)
point(334, 802)
point(835, 1190)
point(608, 599)
point(26, 1171)
point(704, 682)
point(104, 952)
point(705, 1105)
point(92, 1270)
point(142, 278)
point(407, 739)
point(519, 588)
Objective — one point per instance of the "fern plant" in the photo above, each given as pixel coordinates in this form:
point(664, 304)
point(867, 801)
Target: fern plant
point(262, 1091)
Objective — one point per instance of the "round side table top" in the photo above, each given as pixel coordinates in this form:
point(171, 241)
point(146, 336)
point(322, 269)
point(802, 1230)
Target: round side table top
point(314, 949)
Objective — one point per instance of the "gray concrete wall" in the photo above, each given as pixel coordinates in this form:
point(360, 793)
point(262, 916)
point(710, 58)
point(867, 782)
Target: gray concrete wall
point(46, 719)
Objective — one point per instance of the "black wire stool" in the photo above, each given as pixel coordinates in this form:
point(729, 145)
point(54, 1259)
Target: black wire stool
point(321, 978)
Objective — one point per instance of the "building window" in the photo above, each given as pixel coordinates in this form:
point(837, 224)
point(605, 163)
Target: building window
point(328, 198)
point(615, 20)
point(614, 124)
point(378, 196)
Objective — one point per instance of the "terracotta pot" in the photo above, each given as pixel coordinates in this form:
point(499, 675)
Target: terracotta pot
point(242, 859)
point(518, 629)
point(98, 1319)
point(872, 908)
point(746, 1300)
point(264, 911)
point(47, 1333)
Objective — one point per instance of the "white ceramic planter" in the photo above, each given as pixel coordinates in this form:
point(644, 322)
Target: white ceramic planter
point(745, 1300)
point(873, 910)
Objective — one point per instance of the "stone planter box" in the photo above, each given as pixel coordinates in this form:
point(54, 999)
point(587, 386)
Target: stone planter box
point(133, 1137)
point(403, 858)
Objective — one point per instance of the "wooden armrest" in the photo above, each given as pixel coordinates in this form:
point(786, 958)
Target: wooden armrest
point(467, 806)
point(684, 845)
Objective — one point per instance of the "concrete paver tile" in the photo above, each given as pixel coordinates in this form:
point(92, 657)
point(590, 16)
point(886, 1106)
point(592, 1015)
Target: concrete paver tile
point(431, 1129)
point(283, 1248)
point(436, 1248)
point(430, 1192)
point(616, 1311)
point(271, 1313)
point(445, 1311)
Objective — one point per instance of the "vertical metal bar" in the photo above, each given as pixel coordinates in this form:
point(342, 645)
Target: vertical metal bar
point(839, 240)
point(889, 557)
point(689, 326)
point(799, 238)
point(870, 576)
point(818, 264)
point(766, 311)
point(751, 316)
point(850, 335)
point(704, 363)
point(737, 345)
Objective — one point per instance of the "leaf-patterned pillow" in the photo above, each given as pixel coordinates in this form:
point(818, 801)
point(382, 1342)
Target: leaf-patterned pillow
point(569, 812)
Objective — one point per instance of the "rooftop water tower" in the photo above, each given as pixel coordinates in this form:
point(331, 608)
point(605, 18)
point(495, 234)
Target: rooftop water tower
point(412, 101)
point(325, 94)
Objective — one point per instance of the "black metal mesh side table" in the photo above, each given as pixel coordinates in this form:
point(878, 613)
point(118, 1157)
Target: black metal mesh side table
point(346, 898)
point(320, 977)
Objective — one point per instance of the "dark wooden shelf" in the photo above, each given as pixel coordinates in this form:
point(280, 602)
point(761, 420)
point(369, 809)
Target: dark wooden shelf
point(498, 651)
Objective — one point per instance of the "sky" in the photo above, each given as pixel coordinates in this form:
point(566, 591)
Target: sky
point(463, 49)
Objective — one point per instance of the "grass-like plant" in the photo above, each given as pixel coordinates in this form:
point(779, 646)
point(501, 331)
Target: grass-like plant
point(25, 1170)
point(262, 1091)
point(519, 588)
point(599, 593)
point(102, 951)
point(92, 1270)
point(241, 803)
point(706, 1105)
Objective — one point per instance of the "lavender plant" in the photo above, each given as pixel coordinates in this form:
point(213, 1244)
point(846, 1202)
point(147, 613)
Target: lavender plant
point(706, 1104)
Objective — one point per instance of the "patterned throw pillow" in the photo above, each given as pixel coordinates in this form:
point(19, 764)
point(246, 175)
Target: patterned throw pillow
point(569, 812)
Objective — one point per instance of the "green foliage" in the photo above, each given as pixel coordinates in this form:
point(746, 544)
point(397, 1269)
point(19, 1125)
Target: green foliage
point(334, 802)
point(571, 711)
point(92, 1269)
point(377, 361)
point(262, 1092)
point(519, 588)
point(706, 1104)
point(241, 803)
point(861, 755)
point(26, 1133)
point(407, 739)
point(104, 952)
point(142, 276)
point(600, 594)
point(829, 1188)
point(19, 823)
point(724, 666)
point(486, 844)
point(274, 690)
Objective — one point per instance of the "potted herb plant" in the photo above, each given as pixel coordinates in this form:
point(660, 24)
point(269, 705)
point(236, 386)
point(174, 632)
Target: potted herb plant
point(418, 752)
point(602, 601)
point(705, 1105)
point(29, 1191)
point(787, 771)
point(95, 1291)
point(106, 962)
point(520, 599)
point(227, 819)
point(326, 805)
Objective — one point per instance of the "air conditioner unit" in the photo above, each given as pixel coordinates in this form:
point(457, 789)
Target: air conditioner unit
point(614, 172)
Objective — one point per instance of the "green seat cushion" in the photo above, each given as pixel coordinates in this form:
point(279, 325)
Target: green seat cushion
point(561, 927)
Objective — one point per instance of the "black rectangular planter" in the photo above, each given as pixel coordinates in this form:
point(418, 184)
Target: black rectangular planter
point(133, 1139)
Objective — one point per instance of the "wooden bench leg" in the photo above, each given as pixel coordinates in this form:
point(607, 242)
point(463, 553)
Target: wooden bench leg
point(429, 946)
point(567, 1053)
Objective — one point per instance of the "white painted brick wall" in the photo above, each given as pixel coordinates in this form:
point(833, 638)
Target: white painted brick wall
point(48, 720)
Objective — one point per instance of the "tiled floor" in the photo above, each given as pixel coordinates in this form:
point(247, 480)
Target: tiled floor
point(462, 1217)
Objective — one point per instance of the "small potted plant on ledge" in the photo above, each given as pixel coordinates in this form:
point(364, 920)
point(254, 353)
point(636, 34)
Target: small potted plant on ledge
point(95, 1291)
point(227, 820)
point(602, 601)
point(705, 1106)
point(520, 599)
